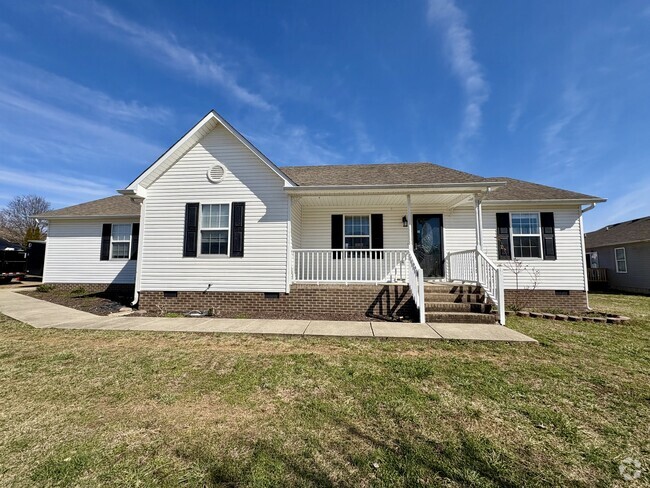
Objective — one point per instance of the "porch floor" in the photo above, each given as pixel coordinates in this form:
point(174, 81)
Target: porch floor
point(42, 314)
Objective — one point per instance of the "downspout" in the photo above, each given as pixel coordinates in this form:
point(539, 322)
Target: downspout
point(138, 263)
point(583, 251)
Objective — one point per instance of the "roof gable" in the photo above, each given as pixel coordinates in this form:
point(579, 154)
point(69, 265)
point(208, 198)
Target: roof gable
point(185, 143)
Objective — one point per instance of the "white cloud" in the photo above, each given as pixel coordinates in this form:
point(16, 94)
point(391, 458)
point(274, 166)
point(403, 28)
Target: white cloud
point(460, 55)
point(166, 49)
point(52, 88)
point(59, 189)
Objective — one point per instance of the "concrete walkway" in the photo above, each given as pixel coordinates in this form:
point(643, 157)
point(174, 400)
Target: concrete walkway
point(42, 314)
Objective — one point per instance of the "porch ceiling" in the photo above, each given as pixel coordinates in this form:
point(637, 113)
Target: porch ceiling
point(434, 199)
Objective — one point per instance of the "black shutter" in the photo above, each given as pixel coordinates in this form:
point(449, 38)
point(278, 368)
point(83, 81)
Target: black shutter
point(337, 234)
point(191, 236)
point(377, 234)
point(548, 235)
point(105, 252)
point(237, 229)
point(135, 238)
point(503, 236)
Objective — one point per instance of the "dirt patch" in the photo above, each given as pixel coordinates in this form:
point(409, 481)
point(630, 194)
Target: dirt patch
point(95, 303)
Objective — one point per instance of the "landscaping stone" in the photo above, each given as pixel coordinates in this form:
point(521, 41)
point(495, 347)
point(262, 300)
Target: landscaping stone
point(575, 318)
point(599, 320)
point(549, 316)
point(562, 317)
point(536, 315)
point(614, 320)
point(523, 313)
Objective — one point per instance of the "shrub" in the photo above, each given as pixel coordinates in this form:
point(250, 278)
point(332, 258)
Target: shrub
point(45, 288)
point(78, 291)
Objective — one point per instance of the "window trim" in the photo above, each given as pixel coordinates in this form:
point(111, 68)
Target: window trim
point(129, 241)
point(616, 260)
point(369, 236)
point(201, 229)
point(538, 235)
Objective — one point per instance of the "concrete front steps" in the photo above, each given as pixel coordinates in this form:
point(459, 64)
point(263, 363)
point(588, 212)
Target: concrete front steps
point(456, 303)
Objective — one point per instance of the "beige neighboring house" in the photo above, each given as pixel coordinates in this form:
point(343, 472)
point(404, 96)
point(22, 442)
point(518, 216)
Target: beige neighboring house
point(214, 225)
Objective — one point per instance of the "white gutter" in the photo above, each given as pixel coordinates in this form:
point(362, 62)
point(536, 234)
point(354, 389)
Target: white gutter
point(395, 189)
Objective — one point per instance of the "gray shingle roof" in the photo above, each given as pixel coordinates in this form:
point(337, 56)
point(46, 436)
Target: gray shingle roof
point(353, 174)
point(525, 190)
point(376, 174)
point(118, 205)
point(622, 233)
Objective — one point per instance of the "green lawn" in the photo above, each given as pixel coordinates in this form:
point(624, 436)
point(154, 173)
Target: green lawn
point(88, 408)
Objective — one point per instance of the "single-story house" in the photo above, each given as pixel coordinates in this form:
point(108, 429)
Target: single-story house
point(619, 255)
point(214, 225)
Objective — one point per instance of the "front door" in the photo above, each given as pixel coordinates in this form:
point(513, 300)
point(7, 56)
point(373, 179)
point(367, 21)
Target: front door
point(427, 243)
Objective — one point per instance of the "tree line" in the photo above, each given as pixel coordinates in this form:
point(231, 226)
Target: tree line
point(16, 222)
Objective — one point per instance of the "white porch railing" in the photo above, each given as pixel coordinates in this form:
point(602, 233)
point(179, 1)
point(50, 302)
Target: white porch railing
point(360, 266)
point(349, 266)
point(475, 267)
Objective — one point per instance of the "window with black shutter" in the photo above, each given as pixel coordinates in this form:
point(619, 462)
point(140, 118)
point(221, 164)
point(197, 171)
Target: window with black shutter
point(548, 235)
point(237, 229)
point(503, 236)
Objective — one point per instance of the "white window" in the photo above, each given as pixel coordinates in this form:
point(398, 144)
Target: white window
point(120, 241)
point(526, 235)
point(356, 232)
point(621, 260)
point(215, 220)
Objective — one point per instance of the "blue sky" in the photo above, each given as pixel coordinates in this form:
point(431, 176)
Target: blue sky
point(554, 92)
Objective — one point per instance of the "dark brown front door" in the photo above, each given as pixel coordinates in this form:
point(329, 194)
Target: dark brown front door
point(427, 243)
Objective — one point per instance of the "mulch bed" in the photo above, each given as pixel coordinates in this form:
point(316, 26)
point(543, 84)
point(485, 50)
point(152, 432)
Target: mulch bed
point(95, 303)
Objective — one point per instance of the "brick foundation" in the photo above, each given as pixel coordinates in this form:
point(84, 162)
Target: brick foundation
point(576, 300)
point(312, 302)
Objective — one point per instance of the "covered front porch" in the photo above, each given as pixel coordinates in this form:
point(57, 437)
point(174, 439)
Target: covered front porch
point(392, 237)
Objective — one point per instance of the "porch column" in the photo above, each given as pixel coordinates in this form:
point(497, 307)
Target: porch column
point(409, 217)
point(478, 210)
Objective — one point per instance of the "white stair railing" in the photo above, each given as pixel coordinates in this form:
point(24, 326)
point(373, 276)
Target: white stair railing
point(475, 267)
point(416, 283)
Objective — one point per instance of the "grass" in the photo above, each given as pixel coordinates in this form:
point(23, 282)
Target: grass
point(89, 408)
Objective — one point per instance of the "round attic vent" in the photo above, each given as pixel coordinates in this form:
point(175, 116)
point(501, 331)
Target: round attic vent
point(216, 173)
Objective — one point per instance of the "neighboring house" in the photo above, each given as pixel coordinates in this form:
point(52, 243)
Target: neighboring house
point(620, 255)
point(213, 224)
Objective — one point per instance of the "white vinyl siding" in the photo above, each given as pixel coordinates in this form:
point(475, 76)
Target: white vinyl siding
point(73, 250)
point(247, 179)
point(564, 273)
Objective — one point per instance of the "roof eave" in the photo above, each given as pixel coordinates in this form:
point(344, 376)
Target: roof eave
point(84, 217)
point(618, 243)
point(468, 187)
point(549, 201)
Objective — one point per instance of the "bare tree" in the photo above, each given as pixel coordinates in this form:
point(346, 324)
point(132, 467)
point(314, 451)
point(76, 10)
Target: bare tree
point(17, 223)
